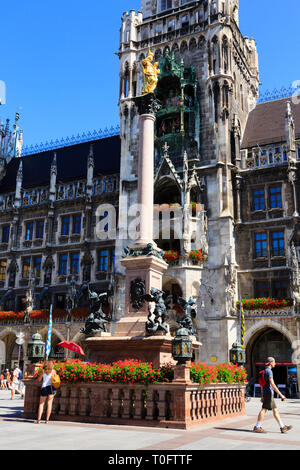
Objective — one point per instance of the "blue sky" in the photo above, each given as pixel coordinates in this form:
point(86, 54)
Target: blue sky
point(62, 75)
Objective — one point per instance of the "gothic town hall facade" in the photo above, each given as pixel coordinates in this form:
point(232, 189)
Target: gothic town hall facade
point(216, 145)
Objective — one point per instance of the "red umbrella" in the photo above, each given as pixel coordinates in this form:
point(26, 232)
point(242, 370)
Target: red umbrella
point(72, 347)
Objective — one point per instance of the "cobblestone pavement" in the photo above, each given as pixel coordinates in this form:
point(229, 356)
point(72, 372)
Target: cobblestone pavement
point(229, 434)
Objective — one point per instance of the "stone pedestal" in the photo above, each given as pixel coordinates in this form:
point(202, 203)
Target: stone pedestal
point(150, 270)
point(182, 374)
point(155, 349)
point(31, 369)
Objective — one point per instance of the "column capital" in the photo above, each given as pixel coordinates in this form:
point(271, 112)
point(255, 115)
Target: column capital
point(147, 104)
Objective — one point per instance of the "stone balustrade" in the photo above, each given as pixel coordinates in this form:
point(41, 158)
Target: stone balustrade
point(172, 405)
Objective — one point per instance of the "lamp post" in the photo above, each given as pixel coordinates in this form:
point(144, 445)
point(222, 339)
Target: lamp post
point(182, 347)
point(182, 352)
point(237, 354)
point(71, 296)
point(20, 340)
point(36, 349)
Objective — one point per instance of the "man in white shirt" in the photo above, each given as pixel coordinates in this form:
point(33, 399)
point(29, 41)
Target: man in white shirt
point(15, 383)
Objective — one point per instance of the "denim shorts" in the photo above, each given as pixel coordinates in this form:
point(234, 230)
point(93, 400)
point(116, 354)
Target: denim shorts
point(45, 391)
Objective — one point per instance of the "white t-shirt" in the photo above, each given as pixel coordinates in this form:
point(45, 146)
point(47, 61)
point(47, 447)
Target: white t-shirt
point(46, 380)
point(15, 376)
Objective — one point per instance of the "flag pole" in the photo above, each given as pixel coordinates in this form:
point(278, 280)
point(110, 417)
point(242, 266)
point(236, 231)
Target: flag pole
point(48, 344)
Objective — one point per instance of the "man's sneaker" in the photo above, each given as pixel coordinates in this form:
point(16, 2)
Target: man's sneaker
point(285, 429)
point(259, 430)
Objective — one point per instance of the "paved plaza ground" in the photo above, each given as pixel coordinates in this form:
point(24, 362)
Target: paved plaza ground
point(230, 434)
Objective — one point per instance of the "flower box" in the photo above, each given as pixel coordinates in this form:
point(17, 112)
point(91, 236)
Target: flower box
point(172, 257)
point(265, 304)
point(196, 206)
point(196, 256)
point(11, 316)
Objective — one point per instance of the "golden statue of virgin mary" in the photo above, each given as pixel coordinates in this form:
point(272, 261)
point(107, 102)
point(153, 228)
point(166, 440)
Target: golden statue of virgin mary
point(151, 72)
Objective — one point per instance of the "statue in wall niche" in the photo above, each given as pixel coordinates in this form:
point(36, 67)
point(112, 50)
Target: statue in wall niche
point(230, 285)
point(151, 72)
point(97, 319)
point(295, 274)
point(190, 312)
point(157, 319)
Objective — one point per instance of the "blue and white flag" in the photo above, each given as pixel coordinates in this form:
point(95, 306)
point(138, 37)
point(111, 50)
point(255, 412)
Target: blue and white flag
point(48, 344)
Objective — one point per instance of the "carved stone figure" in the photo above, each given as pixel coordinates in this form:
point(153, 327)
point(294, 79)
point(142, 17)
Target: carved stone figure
point(190, 312)
point(149, 250)
point(137, 293)
point(158, 318)
point(97, 319)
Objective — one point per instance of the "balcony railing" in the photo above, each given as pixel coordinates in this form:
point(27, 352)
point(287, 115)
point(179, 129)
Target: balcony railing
point(264, 161)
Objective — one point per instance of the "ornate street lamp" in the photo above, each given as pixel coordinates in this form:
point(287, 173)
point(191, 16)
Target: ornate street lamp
point(237, 354)
point(36, 349)
point(182, 346)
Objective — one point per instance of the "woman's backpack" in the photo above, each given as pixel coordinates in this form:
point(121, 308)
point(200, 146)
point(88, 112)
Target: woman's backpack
point(55, 381)
point(261, 378)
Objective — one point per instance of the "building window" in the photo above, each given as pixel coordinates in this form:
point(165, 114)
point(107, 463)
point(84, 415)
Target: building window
point(29, 231)
point(26, 268)
point(277, 243)
point(165, 5)
point(77, 224)
point(275, 198)
point(39, 232)
point(113, 260)
point(5, 233)
point(158, 29)
point(65, 226)
point(37, 263)
point(279, 289)
point(74, 263)
point(60, 301)
point(262, 290)
point(259, 199)
point(171, 25)
point(103, 260)
point(63, 265)
point(3, 264)
point(261, 246)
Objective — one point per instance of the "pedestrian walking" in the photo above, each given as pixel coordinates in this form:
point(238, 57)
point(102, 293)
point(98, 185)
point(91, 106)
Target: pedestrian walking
point(15, 383)
point(267, 399)
point(7, 378)
point(2, 384)
point(47, 391)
